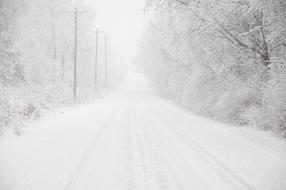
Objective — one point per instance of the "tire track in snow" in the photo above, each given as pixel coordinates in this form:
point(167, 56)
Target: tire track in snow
point(139, 163)
point(111, 165)
point(161, 171)
point(166, 172)
point(81, 164)
point(179, 167)
point(218, 165)
point(161, 179)
point(141, 153)
point(129, 162)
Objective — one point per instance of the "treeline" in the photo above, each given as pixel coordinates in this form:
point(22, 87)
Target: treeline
point(34, 46)
point(37, 57)
point(221, 59)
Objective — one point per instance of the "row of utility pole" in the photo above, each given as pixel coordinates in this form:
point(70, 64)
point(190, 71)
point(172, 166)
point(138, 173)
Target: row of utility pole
point(76, 12)
point(97, 32)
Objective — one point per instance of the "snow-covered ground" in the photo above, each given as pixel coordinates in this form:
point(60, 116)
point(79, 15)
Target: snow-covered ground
point(135, 140)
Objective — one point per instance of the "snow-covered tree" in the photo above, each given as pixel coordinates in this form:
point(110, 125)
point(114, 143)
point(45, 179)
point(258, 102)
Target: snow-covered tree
point(36, 56)
point(219, 58)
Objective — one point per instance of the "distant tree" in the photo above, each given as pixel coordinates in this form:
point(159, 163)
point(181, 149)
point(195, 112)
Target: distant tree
point(11, 67)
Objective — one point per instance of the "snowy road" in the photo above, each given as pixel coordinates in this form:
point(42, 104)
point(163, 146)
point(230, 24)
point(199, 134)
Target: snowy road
point(134, 140)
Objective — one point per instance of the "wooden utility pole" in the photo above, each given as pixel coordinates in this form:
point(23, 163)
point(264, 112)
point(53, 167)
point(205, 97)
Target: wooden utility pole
point(75, 82)
point(105, 62)
point(62, 65)
point(96, 60)
point(97, 32)
point(75, 55)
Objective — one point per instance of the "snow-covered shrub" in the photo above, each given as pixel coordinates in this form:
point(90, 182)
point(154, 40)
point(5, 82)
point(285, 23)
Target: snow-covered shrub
point(201, 92)
point(27, 103)
point(272, 112)
point(232, 105)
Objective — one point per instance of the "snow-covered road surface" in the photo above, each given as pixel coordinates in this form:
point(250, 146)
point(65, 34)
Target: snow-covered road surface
point(133, 140)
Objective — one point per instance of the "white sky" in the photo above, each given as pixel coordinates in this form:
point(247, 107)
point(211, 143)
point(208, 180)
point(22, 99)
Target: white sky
point(123, 21)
